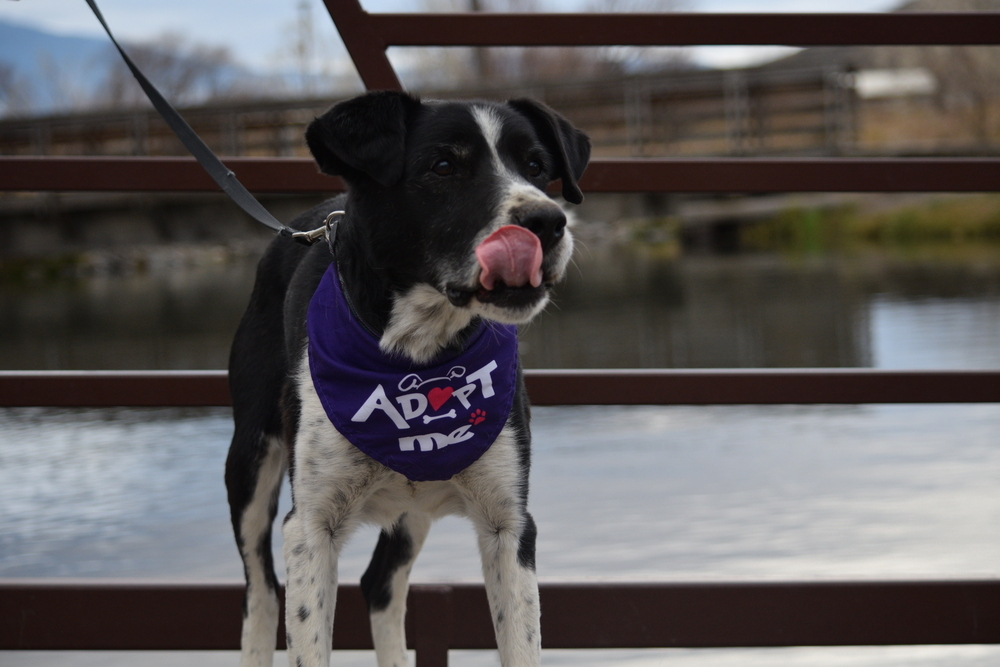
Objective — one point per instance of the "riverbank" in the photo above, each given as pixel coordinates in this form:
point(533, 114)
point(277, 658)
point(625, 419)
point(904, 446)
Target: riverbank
point(942, 220)
point(67, 232)
point(45, 238)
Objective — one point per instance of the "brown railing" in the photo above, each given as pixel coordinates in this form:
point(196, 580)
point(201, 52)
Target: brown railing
point(115, 615)
point(50, 615)
point(299, 175)
point(545, 387)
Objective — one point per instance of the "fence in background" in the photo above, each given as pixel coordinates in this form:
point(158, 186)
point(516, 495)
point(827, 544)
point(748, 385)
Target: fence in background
point(785, 112)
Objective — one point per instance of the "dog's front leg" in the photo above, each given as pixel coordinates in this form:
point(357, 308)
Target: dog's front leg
point(310, 589)
point(385, 584)
point(494, 488)
point(331, 481)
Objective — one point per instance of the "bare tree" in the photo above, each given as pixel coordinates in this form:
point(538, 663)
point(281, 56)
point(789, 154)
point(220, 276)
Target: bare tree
point(60, 83)
point(508, 65)
point(184, 72)
point(311, 60)
point(968, 76)
point(15, 94)
point(641, 58)
point(305, 47)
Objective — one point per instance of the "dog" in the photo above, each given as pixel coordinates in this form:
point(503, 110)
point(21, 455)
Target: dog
point(380, 369)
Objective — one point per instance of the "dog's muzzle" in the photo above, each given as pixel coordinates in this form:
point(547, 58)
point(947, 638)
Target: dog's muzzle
point(511, 274)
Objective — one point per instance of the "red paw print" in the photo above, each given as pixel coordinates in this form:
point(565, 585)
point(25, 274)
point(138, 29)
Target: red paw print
point(477, 417)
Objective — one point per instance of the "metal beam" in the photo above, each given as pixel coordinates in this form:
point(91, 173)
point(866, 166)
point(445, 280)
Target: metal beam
point(760, 387)
point(114, 615)
point(364, 44)
point(793, 175)
point(686, 29)
point(158, 174)
point(114, 388)
point(545, 387)
point(300, 175)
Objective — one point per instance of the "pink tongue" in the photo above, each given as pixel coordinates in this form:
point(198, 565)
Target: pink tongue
point(511, 254)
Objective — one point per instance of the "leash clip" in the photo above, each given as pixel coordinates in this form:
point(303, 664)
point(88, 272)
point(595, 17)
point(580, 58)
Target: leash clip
point(328, 230)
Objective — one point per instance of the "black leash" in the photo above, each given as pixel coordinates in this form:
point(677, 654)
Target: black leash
point(209, 161)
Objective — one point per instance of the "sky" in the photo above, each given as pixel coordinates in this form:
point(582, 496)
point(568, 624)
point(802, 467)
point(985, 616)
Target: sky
point(257, 32)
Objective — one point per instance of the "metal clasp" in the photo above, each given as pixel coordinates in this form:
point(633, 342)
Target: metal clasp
point(328, 230)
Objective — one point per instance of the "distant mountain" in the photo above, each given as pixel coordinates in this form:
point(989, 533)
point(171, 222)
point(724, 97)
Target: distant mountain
point(22, 46)
point(46, 72)
point(43, 73)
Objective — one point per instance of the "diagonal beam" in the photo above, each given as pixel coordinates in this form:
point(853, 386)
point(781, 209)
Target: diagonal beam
point(364, 44)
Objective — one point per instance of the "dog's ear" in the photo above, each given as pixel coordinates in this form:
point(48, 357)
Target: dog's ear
point(570, 146)
point(365, 135)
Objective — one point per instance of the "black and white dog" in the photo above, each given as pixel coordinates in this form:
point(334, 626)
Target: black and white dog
point(446, 241)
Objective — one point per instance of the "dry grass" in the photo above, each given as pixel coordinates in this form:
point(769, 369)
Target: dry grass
point(948, 221)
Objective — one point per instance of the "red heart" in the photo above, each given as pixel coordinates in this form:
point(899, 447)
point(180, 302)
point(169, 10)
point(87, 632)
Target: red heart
point(439, 395)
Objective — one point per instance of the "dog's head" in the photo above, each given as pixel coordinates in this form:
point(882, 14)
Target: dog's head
point(452, 195)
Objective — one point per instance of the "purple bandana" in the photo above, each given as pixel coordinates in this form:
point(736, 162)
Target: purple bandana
point(425, 422)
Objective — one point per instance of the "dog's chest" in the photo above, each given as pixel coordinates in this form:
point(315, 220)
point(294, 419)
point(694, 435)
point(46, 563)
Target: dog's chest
point(428, 421)
point(325, 459)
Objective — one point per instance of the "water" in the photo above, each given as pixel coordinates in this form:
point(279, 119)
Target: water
point(619, 493)
point(621, 307)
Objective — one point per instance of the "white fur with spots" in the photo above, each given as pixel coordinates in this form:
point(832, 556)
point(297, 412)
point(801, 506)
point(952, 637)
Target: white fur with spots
point(337, 488)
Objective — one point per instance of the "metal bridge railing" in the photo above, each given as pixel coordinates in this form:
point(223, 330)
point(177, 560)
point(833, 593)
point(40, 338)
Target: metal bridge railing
point(50, 615)
point(116, 615)
point(368, 36)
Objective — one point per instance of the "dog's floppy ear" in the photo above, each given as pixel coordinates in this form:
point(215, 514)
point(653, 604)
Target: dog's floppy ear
point(365, 135)
point(570, 146)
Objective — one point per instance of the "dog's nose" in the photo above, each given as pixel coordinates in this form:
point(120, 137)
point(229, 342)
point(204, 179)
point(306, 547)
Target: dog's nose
point(548, 223)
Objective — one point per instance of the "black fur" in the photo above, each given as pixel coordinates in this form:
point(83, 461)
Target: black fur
point(364, 137)
point(570, 146)
point(526, 543)
point(394, 549)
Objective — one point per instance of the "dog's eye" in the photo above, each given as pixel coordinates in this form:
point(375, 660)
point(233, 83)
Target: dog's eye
point(443, 168)
point(534, 168)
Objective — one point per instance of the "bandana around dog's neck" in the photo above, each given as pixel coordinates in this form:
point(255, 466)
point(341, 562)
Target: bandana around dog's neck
point(427, 422)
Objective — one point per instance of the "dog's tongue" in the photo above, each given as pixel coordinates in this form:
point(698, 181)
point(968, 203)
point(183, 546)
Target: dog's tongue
point(511, 254)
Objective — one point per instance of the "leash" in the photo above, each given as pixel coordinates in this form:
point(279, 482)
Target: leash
point(210, 162)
